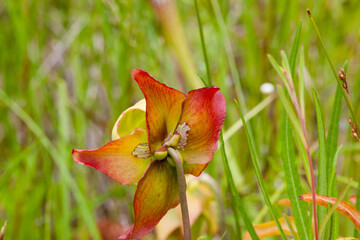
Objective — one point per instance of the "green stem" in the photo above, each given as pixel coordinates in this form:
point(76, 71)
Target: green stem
point(182, 191)
point(203, 46)
point(345, 94)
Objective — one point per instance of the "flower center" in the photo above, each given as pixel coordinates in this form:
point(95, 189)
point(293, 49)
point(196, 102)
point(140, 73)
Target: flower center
point(176, 140)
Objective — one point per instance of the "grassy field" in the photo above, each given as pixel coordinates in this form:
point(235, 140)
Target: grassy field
point(65, 77)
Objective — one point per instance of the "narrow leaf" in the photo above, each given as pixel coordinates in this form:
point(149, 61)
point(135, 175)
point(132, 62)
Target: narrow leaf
point(294, 49)
point(302, 82)
point(255, 160)
point(291, 114)
point(332, 210)
point(331, 145)
point(322, 161)
point(278, 70)
point(293, 180)
point(357, 205)
point(333, 132)
point(234, 192)
point(344, 93)
point(291, 228)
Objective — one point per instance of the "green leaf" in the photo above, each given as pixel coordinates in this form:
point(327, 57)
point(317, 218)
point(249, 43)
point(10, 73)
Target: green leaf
point(302, 82)
point(58, 157)
point(331, 146)
point(290, 112)
point(294, 49)
point(293, 180)
point(332, 180)
point(203, 46)
point(339, 82)
point(255, 160)
point(322, 161)
point(234, 192)
point(323, 227)
point(356, 233)
point(277, 68)
point(292, 231)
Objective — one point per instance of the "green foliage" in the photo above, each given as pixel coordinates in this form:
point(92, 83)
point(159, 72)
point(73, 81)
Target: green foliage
point(294, 188)
point(322, 187)
point(65, 77)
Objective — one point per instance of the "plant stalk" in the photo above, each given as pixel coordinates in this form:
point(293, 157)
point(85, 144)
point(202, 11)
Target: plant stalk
point(293, 97)
point(182, 192)
point(345, 94)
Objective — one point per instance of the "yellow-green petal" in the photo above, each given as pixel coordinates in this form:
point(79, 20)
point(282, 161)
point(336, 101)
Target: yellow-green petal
point(130, 119)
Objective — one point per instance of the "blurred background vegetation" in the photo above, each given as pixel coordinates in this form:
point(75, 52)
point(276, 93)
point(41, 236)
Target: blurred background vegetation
point(65, 77)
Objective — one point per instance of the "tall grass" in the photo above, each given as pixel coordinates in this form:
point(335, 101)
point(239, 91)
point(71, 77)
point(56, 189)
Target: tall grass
point(65, 78)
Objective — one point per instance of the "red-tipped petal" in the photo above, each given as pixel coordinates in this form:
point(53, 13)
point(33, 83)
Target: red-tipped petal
point(157, 192)
point(115, 159)
point(163, 107)
point(204, 112)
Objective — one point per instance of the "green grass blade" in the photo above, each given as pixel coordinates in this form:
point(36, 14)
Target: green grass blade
point(273, 198)
point(58, 159)
point(339, 82)
point(357, 205)
point(285, 62)
point(278, 70)
point(333, 193)
point(303, 155)
point(290, 112)
point(322, 187)
point(293, 180)
point(323, 227)
point(333, 132)
point(302, 82)
point(292, 231)
point(331, 146)
point(234, 192)
point(229, 52)
point(255, 160)
point(294, 49)
point(252, 113)
point(203, 45)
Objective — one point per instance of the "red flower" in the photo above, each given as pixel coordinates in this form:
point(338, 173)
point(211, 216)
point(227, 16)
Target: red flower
point(138, 153)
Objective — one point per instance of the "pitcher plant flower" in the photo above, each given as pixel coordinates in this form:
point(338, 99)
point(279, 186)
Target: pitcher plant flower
point(143, 139)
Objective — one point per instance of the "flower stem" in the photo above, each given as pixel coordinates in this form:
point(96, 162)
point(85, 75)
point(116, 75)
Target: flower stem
point(182, 192)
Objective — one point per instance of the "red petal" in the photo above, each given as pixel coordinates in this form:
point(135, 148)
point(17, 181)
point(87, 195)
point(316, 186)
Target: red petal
point(115, 159)
point(157, 192)
point(204, 112)
point(163, 107)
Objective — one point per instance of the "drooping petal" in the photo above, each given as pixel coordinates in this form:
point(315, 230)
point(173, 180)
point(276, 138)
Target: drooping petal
point(269, 229)
point(157, 192)
point(204, 112)
point(131, 118)
point(343, 208)
point(284, 202)
point(115, 159)
point(163, 107)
